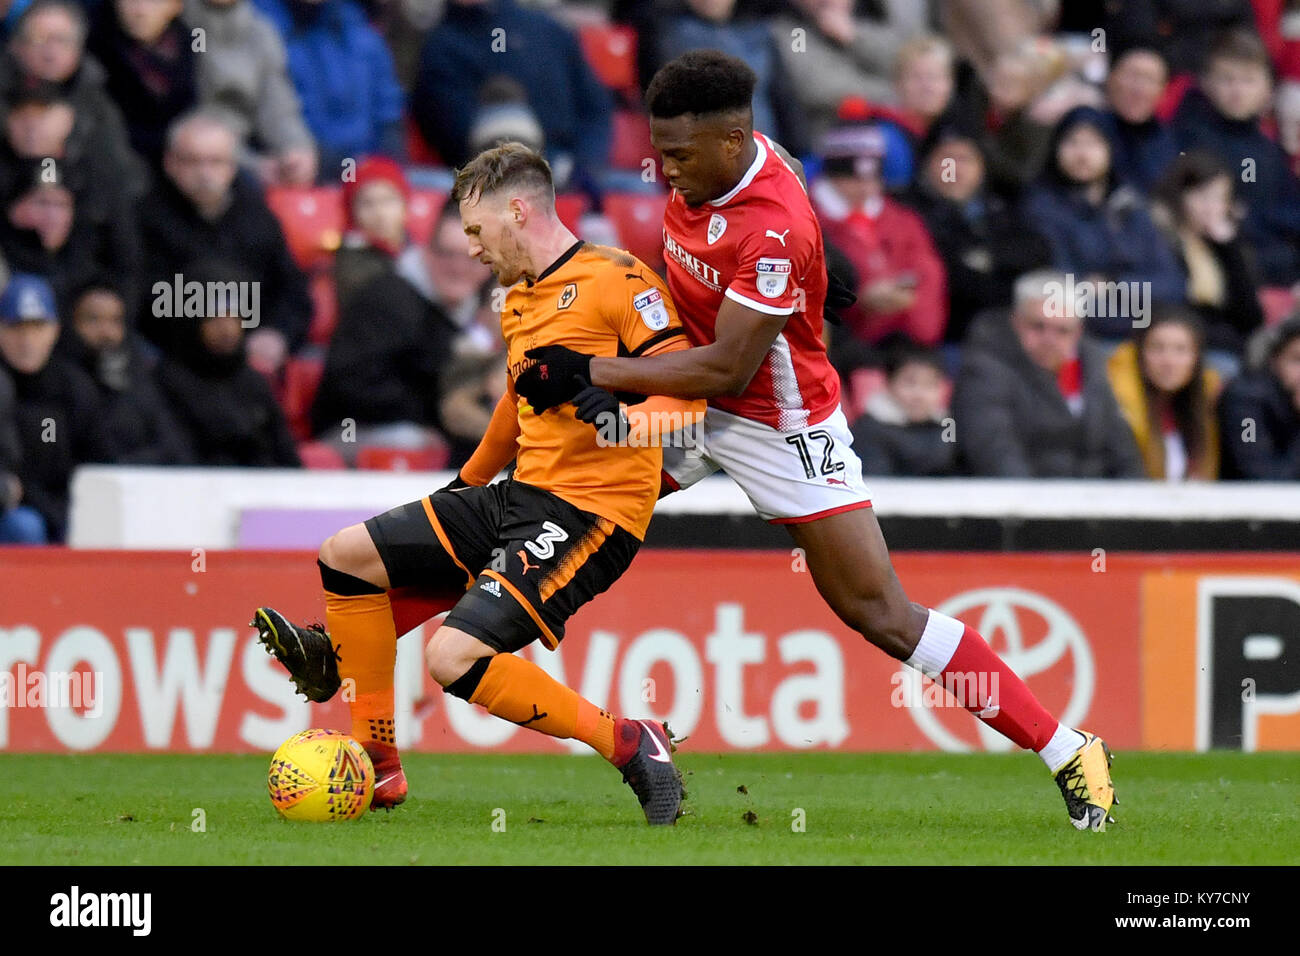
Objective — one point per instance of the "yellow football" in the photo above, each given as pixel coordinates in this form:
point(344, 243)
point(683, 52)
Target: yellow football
point(321, 776)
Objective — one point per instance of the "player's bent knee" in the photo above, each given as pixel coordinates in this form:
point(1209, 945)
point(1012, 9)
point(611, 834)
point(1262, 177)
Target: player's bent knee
point(456, 660)
point(351, 551)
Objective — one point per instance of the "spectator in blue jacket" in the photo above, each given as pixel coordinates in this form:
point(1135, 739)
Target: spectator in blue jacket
point(344, 76)
point(477, 40)
point(1099, 230)
point(1223, 117)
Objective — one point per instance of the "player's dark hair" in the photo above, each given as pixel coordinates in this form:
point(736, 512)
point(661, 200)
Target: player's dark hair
point(508, 166)
point(701, 82)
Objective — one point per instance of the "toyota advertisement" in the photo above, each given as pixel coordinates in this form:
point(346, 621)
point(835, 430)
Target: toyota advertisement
point(152, 651)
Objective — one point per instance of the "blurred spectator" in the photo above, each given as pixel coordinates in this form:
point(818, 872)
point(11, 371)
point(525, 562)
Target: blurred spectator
point(1168, 397)
point(49, 48)
point(202, 209)
point(1015, 143)
point(841, 54)
point(1032, 399)
point(375, 207)
point(1223, 117)
point(901, 283)
point(50, 230)
point(243, 76)
point(55, 408)
point(471, 388)
point(1144, 146)
point(134, 422)
point(902, 431)
point(1279, 27)
point(19, 523)
point(344, 76)
point(924, 80)
point(504, 116)
point(1098, 230)
point(443, 272)
point(712, 24)
point(1181, 31)
point(384, 368)
point(1259, 412)
point(1194, 202)
point(981, 30)
point(225, 407)
point(145, 48)
point(981, 238)
point(479, 39)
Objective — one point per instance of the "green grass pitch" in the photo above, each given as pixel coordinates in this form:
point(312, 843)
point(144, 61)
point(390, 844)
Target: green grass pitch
point(1220, 808)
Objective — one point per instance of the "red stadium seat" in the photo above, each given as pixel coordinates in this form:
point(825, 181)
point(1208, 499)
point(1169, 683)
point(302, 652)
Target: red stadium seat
point(611, 51)
point(301, 380)
point(378, 458)
point(312, 220)
point(319, 456)
point(639, 220)
point(631, 145)
point(570, 207)
point(422, 213)
point(325, 307)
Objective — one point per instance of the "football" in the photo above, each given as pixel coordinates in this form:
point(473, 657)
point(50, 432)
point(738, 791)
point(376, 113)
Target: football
point(321, 776)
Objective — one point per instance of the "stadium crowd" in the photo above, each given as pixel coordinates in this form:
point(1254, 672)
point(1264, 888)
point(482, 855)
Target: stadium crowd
point(1073, 229)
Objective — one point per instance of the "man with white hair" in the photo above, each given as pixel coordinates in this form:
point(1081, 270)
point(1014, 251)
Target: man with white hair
point(204, 209)
point(1032, 399)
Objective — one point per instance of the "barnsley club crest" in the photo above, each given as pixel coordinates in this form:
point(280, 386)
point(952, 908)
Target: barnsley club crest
point(717, 226)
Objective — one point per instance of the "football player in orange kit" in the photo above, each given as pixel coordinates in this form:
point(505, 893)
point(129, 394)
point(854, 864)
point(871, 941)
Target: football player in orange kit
point(568, 522)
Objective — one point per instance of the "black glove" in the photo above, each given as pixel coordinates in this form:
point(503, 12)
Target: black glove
point(838, 297)
point(559, 375)
point(455, 484)
point(600, 408)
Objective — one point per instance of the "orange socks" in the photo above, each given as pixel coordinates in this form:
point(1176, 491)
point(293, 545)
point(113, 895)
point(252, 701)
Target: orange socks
point(361, 625)
point(521, 692)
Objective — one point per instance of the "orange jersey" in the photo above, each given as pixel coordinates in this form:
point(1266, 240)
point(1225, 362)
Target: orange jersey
point(600, 301)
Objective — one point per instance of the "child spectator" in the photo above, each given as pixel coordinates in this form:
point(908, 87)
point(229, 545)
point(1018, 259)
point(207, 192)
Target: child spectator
point(1168, 397)
point(1098, 230)
point(903, 429)
point(1223, 117)
point(1194, 203)
point(134, 422)
point(223, 404)
point(1259, 413)
point(146, 50)
point(375, 206)
point(242, 74)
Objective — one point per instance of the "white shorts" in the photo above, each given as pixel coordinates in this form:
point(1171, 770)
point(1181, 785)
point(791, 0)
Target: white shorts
point(790, 477)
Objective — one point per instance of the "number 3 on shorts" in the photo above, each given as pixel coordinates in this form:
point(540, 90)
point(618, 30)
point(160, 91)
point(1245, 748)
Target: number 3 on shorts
point(543, 546)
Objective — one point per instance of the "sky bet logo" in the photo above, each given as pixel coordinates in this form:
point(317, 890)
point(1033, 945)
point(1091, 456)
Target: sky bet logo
point(134, 910)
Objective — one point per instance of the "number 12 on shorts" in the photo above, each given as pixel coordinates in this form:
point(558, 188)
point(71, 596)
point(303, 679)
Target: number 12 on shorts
point(808, 455)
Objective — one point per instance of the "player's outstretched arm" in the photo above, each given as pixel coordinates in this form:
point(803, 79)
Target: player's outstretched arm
point(498, 445)
point(724, 367)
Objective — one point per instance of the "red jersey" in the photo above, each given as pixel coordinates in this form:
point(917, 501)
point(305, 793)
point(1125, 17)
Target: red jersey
point(761, 246)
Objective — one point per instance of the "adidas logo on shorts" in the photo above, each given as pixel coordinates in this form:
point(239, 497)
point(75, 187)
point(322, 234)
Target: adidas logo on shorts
point(492, 587)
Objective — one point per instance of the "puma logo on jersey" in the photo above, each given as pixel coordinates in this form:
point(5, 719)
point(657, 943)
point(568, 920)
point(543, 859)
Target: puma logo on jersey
point(523, 556)
point(778, 236)
point(836, 481)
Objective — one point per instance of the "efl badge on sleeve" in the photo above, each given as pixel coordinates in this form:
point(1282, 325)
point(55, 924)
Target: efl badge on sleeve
point(773, 276)
point(653, 311)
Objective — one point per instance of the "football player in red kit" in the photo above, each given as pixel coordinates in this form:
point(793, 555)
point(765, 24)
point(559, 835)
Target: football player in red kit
point(747, 270)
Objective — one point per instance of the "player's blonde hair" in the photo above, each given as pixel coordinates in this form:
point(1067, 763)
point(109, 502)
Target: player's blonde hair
point(508, 166)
